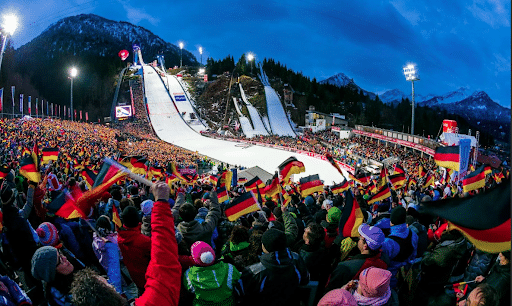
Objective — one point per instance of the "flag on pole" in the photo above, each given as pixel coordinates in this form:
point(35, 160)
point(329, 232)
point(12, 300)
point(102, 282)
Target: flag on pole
point(89, 177)
point(115, 217)
point(12, 97)
point(65, 205)
point(222, 194)
point(1, 98)
point(273, 187)
point(246, 203)
point(351, 217)
point(28, 168)
point(289, 167)
point(486, 226)
point(332, 161)
point(398, 169)
point(80, 114)
point(310, 184)
point(474, 180)
point(87, 116)
point(448, 157)
point(21, 104)
point(47, 108)
point(383, 193)
point(29, 105)
point(341, 187)
point(254, 183)
point(37, 108)
point(50, 154)
point(397, 180)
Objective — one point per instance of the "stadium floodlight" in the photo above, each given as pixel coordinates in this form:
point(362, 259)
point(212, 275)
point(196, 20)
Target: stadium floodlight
point(411, 74)
point(9, 25)
point(201, 71)
point(181, 54)
point(250, 58)
point(73, 72)
point(201, 52)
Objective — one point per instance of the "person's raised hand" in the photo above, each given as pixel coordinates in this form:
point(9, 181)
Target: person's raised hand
point(161, 191)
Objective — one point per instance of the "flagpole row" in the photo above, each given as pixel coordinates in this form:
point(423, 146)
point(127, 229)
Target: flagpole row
point(132, 175)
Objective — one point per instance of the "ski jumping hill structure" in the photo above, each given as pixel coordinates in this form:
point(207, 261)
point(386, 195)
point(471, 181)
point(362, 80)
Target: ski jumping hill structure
point(170, 126)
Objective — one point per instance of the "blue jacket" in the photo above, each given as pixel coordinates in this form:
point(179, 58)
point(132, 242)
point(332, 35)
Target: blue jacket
point(108, 254)
point(391, 248)
point(15, 297)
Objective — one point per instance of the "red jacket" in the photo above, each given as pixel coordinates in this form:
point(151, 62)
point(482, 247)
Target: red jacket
point(136, 250)
point(163, 277)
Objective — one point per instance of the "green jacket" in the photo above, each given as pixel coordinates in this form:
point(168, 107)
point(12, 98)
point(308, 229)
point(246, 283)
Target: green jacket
point(212, 285)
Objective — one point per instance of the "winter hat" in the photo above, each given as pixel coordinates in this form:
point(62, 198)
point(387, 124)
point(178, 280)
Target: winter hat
point(309, 200)
point(130, 216)
point(334, 215)
point(274, 240)
point(374, 282)
point(202, 212)
point(146, 207)
point(278, 213)
point(338, 297)
point(346, 246)
point(48, 234)
point(44, 263)
point(202, 253)
point(373, 235)
point(398, 215)
point(206, 195)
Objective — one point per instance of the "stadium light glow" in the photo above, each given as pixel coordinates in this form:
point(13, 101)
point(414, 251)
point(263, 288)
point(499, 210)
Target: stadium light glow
point(250, 58)
point(411, 75)
point(73, 72)
point(9, 25)
point(181, 54)
point(201, 52)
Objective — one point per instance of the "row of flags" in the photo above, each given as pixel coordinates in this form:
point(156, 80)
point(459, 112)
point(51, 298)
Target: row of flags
point(54, 110)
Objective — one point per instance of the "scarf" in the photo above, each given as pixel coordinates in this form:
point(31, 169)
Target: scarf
point(372, 301)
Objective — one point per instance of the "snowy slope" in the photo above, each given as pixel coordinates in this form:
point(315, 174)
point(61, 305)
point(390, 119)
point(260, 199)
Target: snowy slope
point(278, 119)
point(170, 127)
point(245, 123)
point(259, 127)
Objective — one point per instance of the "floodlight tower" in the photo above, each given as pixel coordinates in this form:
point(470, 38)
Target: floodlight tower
point(250, 58)
point(201, 52)
point(9, 25)
point(181, 54)
point(411, 75)
point(73, 72)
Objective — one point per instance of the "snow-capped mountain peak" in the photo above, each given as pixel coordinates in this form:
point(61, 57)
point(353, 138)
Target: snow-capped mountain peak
point(339, 80)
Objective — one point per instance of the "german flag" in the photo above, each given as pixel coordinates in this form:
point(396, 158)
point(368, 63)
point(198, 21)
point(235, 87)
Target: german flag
point(173, 169)
point(28, 168)
point(381, 194)
point(486, 226)
point(397, 180)
point(155, 172)
point(487, 170)
point(115, 217)
point(246, 203)
point(254, 183)
point(89, 177)
point(273, 187)
point(383, 177)
point(107, 172)
point(213, 180)
point(65, 205)
point(285, 198)
point(3, 172)
point(448, 157)
point(351, 217)
point(421, 171)
point(25, 151)
point(341, 187)
point(411, 182)
point(310, 184)
point(333, 163)
point(50, 154)
point(363, 179)
point(242, 180)
point(89, 198)
point(222, 194)
point(428, 181)
point(169, 179)
point(225, 179)
point(289, 167)
point(474, 180)
point(398, 170)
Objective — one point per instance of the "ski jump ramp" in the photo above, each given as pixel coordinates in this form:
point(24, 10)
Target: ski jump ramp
point(172, 128)
point(259, 127)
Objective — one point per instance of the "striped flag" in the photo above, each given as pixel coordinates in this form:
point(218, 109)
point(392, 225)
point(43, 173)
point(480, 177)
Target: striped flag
point(351, 217)
point(50, 154)
point(89, 177)
point(397, 180)
point(115, 217)
point(289, 167)
point(222, 194)
point(474, 180)
point(213, 180)
point(333, 163)
point(254, 183)
point(3, 171)
point(65, 205)
point(381, 194)
point(448, 157)
point(28, 168)
point(486, 226)
point(341, 187)
point(225, 179)
point(106, 173)
point(310, 184)
point(244, 204)
point(421, 171)
point(487, 170)
point(398, 169)
point(273, 187)
point(428, 181)
point(156, 172)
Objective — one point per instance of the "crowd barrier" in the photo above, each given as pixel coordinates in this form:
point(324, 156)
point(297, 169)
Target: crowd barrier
point(405, 143)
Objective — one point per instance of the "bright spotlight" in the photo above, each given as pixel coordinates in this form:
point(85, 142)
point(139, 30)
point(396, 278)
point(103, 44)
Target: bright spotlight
point(73, 72)
point(10, 23)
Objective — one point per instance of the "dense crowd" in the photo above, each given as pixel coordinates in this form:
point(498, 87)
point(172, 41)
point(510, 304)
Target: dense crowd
point(278, 255)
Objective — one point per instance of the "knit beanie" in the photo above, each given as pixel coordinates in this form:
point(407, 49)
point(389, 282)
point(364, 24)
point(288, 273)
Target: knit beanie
point(146, 207)
point(44, 263)
point(398, 215)
point(346, 246)
point(338, 297)
point(373, 235)
point(374, 282)
point(202, 253)
point(334, 215)
point(274, 240)
point(48, 234)
point(130, 216)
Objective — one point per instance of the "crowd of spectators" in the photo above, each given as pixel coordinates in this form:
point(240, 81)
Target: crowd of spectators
point(273, 256)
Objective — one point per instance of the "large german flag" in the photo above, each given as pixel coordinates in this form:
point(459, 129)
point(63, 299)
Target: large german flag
point(65, 206)
point(107, 172)
point(246, 203)
point(50, 154)
point(341, 187)
point(484, 219)
point(397, 180)
point(474, 180)
point(28, 168)
point(289, 167)
point(254, 183)
point(448, 157)
point(310, 184)
point(351, 217)
point(381, 194)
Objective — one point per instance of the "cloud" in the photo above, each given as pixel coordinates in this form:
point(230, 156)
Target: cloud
point(492, 12)
point(136, 15)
